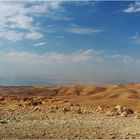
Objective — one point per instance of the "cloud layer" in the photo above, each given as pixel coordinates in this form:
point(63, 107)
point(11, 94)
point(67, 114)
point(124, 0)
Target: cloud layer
point(18, 19)
point(91, 55)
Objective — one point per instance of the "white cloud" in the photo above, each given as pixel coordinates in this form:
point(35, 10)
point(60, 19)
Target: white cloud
point(136, 39)
point(12, 35)
point(21, 21)
point(80, 30)
point(57, 58)
point(124, 59)
point(18, 19)
point(39, 44)
point(43, 6)
point(133, 8)
point(33, 35)
point(46, 58)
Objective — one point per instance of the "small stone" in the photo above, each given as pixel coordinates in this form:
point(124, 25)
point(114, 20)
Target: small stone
point(3, 121)
point(65, 109)
point(109, 113)
point(137, 116)
point(99, 108)
point(43, 134)
point(123, 114)
point(36, 108)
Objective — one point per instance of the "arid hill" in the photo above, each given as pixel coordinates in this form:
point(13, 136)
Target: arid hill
point(122, 94)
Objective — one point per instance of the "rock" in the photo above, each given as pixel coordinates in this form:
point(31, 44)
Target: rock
point(2, 99)
point(109, 113)
point(35, 103)
point(124, 111)
point(3, 121)
point(99, 108)
point(136, 115)
point(128, 110)
point(37, 108)
point(124, 114)
point(53, 109)
point(119, 108)
point(65, 109)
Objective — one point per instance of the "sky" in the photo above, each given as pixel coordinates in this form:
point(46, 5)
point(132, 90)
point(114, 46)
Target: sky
point(46, 42)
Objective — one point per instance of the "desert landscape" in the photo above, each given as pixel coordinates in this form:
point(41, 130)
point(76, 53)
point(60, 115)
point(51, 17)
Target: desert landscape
point(69, 69)
point(70, 112)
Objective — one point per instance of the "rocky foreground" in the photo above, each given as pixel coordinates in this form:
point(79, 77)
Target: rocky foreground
point(69, 112)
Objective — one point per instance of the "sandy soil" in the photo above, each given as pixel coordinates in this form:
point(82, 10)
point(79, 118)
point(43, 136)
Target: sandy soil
point(110, 112)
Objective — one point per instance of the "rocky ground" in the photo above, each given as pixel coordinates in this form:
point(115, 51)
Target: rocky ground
point(70, 126)
point(39, 116)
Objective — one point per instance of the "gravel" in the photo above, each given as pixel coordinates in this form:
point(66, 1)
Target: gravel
point(44, 125)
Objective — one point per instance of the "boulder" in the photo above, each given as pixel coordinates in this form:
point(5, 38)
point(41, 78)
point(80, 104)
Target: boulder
point(124, 111)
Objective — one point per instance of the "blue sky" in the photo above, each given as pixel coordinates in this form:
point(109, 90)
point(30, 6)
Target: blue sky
point(91, 41)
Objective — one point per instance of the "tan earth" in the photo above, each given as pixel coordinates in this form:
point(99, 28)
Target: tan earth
point(70, 112)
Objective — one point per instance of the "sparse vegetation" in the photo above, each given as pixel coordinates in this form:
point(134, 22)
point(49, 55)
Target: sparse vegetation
point(79, 111)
